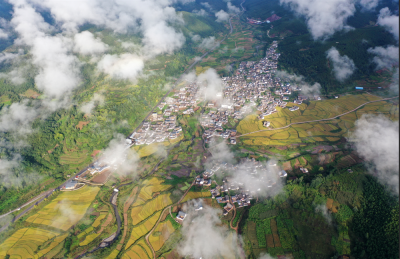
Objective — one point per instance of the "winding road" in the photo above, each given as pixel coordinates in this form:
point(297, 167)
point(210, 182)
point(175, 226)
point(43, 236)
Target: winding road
point(302, 122)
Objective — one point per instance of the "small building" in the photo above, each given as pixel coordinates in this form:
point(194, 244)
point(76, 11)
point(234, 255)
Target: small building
point(266, 124)
point(181, 215)
point(359, 88)
point(282, 173)
point(70, 185)
point(304, 170)
point(228, 207)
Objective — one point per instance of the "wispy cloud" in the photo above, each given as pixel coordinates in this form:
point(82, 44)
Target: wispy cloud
point(204, 235)
point(324, 18)
point(377, 141)
point(343, 66)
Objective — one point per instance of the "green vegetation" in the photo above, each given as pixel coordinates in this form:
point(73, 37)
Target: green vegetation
point(296, 224)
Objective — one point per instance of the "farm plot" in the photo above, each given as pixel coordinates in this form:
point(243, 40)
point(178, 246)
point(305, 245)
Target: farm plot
point(140, 250)
point(161, 234)
point(141, 213)
point(25, 242)
point(151, 187)
point(142, 229)
point(196, 195)
point(323, 131)
point(66, 209)
point(316, 110)
point(98, 220)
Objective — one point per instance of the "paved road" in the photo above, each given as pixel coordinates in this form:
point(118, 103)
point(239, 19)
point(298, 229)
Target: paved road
point(302, 122)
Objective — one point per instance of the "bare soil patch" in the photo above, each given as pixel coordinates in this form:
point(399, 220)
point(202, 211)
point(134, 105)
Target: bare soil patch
point(95, 152)
point(101, 177)
point(81, 124)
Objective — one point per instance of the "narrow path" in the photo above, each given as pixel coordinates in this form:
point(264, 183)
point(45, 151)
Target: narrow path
point(302, 122)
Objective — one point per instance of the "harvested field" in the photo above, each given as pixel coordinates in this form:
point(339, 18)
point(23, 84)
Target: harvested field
point(102, 177)
point(252, 234)
point(106, 222)
point(277, 242)
point(274, 227)
point(270, 240)
point(95, 152)
point(76, 202)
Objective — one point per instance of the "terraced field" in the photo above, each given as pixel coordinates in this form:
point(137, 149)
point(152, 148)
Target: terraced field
point(142, 229)
point(196, 195)
point(330, 131)
point(66, 209)
point(161, 234)
point(25, 242)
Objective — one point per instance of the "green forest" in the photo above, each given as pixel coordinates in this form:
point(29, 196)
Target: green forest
point(318, 218)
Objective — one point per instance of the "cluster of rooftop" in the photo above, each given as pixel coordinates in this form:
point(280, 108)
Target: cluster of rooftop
point(161, 125)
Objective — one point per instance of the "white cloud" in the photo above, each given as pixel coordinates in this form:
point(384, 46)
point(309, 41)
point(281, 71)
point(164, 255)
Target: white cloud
point(306, 88)
point(222, 16)
point(209, 43)
point(324, 211)
point(204, 235)
point(125, 66)
point(377, 141)
point(97, 99)
point(200, 12)
point(232, 8)
point(343, 66)
point(390, 22)
point(17, 118)
point(210, 84)
point(385, 57)
point(324, 18)
point(58, 70)
point(196, 37)
point(86, 43)
point(124, 160)
point(207, 5)
point(369, 4)
point(3, 34)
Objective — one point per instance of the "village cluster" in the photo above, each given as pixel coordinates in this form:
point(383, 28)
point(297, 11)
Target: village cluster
point(254, 175)
point(247, 90)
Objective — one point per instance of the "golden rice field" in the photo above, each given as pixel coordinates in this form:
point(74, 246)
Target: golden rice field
point(51, 246)
point(66, 209)
point(152, 186)
point(160, 234)
point(139, 250)
point(331, 130)
point(89, 238)
point(113, 254)
point(24, 243)
point(196, 195)
point(147, 150)
point(98, 220)
point(316, 110)
point(142, 212)
point(142, 229)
